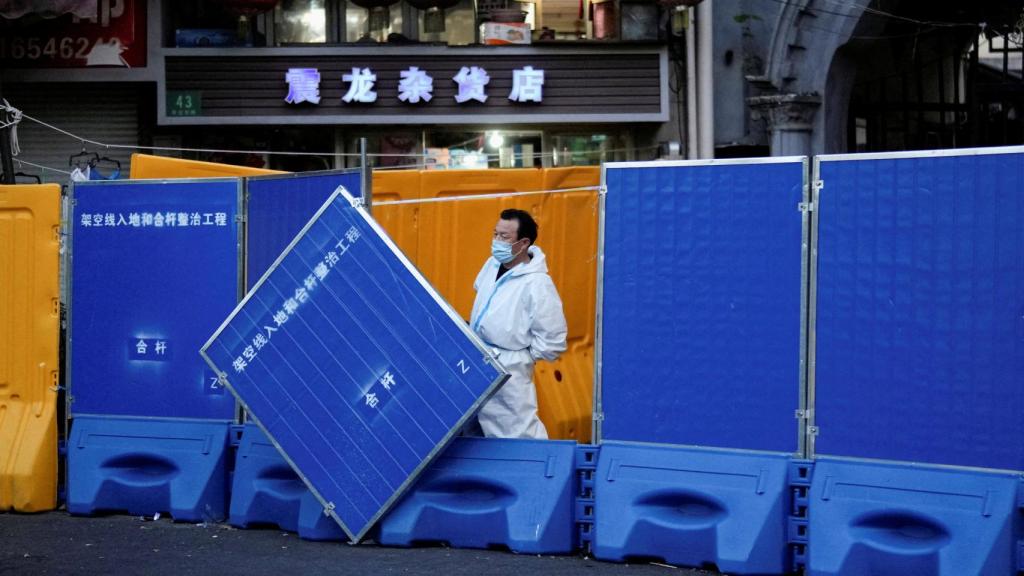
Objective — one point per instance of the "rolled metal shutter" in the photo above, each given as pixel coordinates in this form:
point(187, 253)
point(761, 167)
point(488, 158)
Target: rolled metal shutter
point(107, 113)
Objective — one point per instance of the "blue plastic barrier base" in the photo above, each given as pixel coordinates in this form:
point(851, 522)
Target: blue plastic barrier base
point(897, 519)
point(145, 466)
point(692, 507)
point(488, 492)
point(586, 469)
point(266, 491)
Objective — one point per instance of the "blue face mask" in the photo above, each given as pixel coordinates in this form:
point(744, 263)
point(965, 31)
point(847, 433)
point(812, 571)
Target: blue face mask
point(502, 251)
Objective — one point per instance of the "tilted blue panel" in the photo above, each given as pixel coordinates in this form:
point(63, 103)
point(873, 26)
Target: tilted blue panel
point(484, 492)
point(154, 267)
point(279, 206)
point(701, 305)
point(352, 364)
point(265, 490)
point(147, 465)
point(890, 519)
point(692, 507)
point(920, 309)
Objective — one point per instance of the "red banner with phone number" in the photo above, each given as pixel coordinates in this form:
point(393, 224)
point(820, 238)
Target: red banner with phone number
point(117, 38)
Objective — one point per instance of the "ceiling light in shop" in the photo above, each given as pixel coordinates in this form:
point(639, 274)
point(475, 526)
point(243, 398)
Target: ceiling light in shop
point(496, 140)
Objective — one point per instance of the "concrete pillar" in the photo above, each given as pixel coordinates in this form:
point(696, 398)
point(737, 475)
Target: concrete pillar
point(790, 121)
point(705, 82)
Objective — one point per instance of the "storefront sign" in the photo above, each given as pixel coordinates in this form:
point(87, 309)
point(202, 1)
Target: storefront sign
point(114, 37)
point(414, 87)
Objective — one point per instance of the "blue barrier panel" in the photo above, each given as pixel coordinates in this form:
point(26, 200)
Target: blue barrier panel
point(700, 310)
point(353, 366)
point(890, 519)
point(145, 466)
point(486, 492)
point(692, 507)
point(265, 490)
point(154, 266)
point(278, 206)
point(920, 308)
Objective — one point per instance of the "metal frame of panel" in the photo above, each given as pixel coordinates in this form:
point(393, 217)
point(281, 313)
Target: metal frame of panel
point(65, 256)
point(69, 260)
point(598, 405)
point(804, 413)
point(922, 153)
point(449, 311)
point(812, 311)
point(812, 284)
point(365, 177)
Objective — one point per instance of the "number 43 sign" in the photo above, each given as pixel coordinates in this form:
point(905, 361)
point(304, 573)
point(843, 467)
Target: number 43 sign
point(184, 103)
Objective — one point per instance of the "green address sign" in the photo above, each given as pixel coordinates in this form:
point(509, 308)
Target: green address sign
point(184, 103)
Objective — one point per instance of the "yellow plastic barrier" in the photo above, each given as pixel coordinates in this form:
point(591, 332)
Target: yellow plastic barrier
point(400, 221)
point(569, 236)
point(568, 224)
point(565, 393)
point(454, 240)
point(147, 167)
point(29, 334)
point(573, 177)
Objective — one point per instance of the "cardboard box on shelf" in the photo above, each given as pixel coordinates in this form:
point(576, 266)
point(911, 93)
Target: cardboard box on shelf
point(506, 33)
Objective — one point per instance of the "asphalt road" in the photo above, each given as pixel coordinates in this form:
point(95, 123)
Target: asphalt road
point(59, 544)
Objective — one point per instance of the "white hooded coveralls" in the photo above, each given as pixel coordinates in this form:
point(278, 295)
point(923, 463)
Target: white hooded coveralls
point(520, 316)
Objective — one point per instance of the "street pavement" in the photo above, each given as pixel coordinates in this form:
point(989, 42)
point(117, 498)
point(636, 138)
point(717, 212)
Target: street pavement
point(59, 544)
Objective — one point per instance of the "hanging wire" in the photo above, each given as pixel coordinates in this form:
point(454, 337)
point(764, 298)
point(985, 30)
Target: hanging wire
point(40, 166)
point(487, 196)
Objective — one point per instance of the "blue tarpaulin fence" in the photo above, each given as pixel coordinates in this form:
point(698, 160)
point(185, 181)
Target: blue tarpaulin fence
point(154, 265)
point(700, 303)
point(920, 308)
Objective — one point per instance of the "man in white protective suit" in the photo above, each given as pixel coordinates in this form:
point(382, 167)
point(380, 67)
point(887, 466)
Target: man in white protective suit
point(517, 312)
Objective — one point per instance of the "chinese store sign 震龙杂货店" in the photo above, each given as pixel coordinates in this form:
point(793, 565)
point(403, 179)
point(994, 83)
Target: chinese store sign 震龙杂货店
point(415, 85)
point(358, 85)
